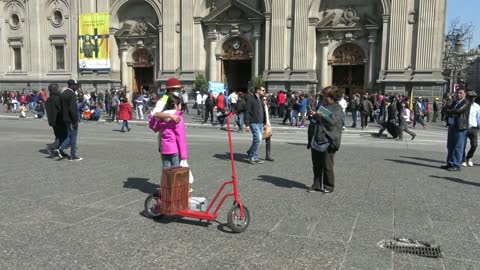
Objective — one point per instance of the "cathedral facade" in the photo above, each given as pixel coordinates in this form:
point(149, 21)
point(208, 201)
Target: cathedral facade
point(367, 45)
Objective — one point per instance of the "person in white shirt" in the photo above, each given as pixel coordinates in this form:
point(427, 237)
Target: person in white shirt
point(184, 101)
point(199, 102)
point(405, 123)
point(233, 98)
point(139, 111)
point(343, 103)
point(472, 131)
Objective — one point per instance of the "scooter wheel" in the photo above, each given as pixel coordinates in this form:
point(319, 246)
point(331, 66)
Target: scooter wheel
point(152, 206)
point(235, 221)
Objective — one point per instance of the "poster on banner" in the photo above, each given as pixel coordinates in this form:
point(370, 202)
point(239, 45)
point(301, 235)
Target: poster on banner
point(93, 43)
point(216, 88)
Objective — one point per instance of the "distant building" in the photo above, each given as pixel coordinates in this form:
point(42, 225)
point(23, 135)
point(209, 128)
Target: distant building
point(375, 45)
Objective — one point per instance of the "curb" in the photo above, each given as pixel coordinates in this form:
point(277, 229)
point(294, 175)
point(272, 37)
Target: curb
point(285, 129)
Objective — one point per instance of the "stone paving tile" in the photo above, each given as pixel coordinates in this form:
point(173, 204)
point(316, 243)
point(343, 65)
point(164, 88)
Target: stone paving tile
point(375, 221)
point(370, 236)
point(410, 259)
point(368, 257)
point(320, 255)
point(445, 231)
point(407, 266)
point(77, 215)
point(299, 225)
point(29, 230)
point(460, 264)
point(463, 250)
point(334, 222)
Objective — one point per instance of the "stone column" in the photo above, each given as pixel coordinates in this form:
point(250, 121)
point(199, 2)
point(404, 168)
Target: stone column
point(385, 32)
point(372, 38)
point(256, 38)
point(123, 64)
point(212, 74)
point(324, 62)
point(160, 51)
point(268, 17)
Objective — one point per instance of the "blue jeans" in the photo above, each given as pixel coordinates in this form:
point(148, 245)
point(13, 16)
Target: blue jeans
point(344, 119)
point(240, 121)
point(124, 124)
point(170, 160)
point(455, 145)
point(71, 139)
point(354, 118)
point(256, 129)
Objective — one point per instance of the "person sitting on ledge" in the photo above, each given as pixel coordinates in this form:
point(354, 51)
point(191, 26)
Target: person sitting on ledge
point(96, 113)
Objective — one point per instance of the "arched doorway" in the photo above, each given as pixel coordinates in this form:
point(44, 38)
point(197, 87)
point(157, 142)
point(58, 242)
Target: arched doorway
point(143, 71)
point(236, 58)
point(348, 68)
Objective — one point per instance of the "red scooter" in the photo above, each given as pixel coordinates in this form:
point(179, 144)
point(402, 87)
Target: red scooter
point(238, 216)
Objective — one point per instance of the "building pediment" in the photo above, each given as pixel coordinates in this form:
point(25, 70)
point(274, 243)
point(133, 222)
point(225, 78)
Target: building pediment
point(345, 18)
point(233, 10)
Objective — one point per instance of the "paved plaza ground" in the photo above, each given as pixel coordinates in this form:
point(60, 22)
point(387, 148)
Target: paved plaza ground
point(57, 214)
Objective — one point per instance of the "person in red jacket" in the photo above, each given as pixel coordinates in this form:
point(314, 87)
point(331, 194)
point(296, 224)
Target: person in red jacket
point(282, 103)
point(221, 110)
point(125, 113)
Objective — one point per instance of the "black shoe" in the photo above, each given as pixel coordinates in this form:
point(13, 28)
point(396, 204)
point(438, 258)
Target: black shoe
point(75, 158)
point(446, 167)
point(453, 169)
point(121, 130)
point(128, 129)
point(270, 159)
point(413, 137)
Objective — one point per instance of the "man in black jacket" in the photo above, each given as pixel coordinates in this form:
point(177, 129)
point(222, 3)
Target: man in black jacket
point(69, 105)
point(457, 121)
point(254, 120)
point(55, 115)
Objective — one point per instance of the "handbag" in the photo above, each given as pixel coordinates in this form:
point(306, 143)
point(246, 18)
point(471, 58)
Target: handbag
point(266, 133)
point(319, 147)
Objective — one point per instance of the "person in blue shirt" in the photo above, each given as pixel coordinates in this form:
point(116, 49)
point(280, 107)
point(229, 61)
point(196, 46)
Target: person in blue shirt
point(97, 113)
point(303, 109)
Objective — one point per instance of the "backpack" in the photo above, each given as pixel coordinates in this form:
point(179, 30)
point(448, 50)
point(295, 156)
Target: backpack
point(241, 104)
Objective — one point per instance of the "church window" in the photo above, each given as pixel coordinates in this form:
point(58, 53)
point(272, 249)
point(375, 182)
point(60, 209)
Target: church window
point(17, 55)
point(60, 57)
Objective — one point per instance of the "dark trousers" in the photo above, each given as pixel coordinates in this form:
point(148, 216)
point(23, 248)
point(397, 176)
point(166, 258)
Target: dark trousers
point(323, 176)
point(208, 111)
point(364, 119)
point(114, 113)
point(288, 116)
point(435, 115)
point(472, 135)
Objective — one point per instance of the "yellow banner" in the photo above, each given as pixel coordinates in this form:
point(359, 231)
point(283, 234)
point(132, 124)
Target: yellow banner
point(93, 46)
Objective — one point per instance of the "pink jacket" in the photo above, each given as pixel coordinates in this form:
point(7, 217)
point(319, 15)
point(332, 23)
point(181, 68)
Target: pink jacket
point(174, 138)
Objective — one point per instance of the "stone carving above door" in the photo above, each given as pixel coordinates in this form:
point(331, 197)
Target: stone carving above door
point(236, 49)
point(137, 27)
point(348, 54)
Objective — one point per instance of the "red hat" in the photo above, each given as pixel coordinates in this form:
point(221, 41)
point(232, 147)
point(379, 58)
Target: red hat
point(174, 83)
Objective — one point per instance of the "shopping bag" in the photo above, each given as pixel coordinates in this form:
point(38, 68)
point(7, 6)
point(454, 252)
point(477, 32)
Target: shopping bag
point(184, 163)
point(267, 133)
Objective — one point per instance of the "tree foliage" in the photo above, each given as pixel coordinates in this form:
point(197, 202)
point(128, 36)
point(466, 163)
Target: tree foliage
point(201, 83)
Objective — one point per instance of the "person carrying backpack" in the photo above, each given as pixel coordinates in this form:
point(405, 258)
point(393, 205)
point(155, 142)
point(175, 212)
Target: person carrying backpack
point(241, 106)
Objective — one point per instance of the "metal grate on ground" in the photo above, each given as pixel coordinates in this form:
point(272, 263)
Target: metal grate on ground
point(415, 247)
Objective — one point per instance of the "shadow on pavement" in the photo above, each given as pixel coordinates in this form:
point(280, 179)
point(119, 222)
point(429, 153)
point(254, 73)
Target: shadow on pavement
point(424, 159)
point(299, 144)
point(140, 184)
point(456, 180)
point(281, 182)
point(412, 163)
point(236, 156)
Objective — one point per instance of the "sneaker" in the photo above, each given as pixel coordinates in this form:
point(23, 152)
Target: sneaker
point(130, 128)
point(327, 191)
point(75, 158)
point(311, 190)
point(59, 153)
point(469, 163)
point(453, 169)
point(464, 164)
point(258, 161)
point(445, 167)
point(413, 137)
